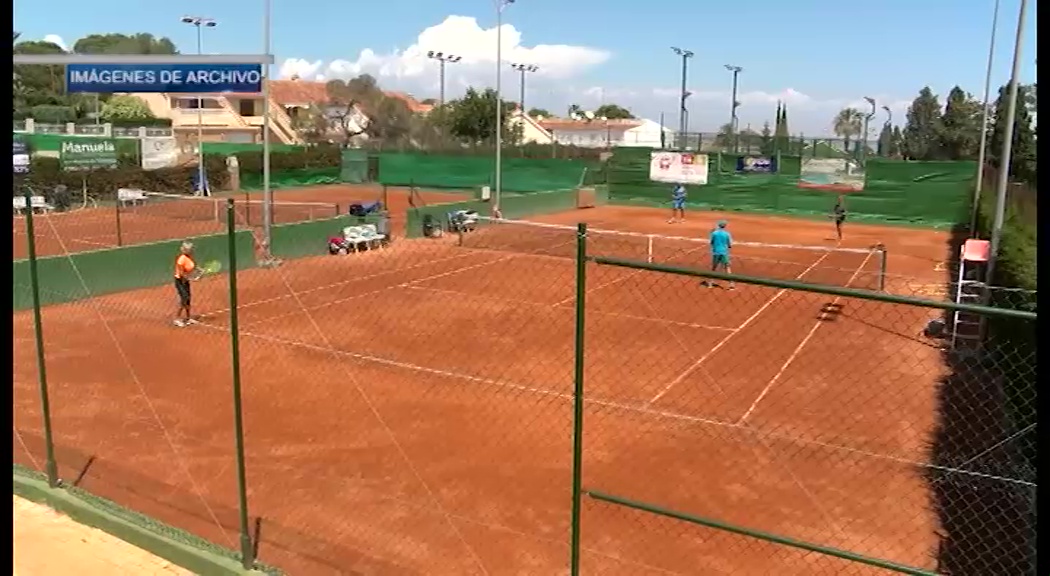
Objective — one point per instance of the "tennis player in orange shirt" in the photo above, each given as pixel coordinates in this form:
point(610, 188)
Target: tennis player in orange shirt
point(185, 272)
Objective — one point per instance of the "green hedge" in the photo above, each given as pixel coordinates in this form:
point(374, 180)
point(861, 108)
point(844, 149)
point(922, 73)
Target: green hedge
point(45, 173)
point(291, 178)
point(468, 172)
point(84, 275)
point(324, 156)
point(1011, 340)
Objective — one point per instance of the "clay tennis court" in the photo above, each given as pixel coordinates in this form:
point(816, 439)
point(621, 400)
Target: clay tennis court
point(408, 410)
point(103, 227)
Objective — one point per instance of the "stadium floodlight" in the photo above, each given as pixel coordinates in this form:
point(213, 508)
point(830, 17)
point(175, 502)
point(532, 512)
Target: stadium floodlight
point(686, 55)
point(523, 69)
point(498, 180)
point(442, 59)
point(1006, 154)
point(734, 123)
point(982, 148)
point(199, 22)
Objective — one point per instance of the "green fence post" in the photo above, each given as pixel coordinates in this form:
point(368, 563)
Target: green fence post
point(247, 553)
point(577, 397)
point(50, 466)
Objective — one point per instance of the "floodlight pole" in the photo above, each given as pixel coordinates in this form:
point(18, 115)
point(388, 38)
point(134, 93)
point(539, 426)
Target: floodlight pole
point(498, 184)
point(442, 59)
point(733, 120)
point(888, 126)
point(982, 150)
point(686, 55)
point(1005, 158)
point(199, 22)
point(523, 69)
point(267, 191)
point(867, 119)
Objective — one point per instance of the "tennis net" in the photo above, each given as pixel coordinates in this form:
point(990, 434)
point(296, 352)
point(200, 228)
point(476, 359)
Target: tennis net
point(852, 267)
point(213, 209)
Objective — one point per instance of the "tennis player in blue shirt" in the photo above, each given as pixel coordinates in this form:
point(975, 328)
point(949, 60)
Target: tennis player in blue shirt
point(721, 243)
point(678, 195)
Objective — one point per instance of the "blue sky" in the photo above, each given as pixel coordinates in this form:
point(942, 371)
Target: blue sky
point(818, 56)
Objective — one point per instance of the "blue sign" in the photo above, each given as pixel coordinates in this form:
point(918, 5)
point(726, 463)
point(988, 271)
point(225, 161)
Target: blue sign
point(759, 164)
point(184, 78)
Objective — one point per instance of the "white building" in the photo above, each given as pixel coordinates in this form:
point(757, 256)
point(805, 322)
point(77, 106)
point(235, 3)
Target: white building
point(647, 135)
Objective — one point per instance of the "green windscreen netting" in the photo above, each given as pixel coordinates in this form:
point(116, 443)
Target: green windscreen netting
point(468, 172)
point(935, 194)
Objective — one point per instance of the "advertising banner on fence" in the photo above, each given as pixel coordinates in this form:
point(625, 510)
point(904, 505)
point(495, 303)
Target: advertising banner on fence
point(159, 153)
point(87, 154)
point(674, 167)
point(838, 174)
point(756, 164)
point(21, 156)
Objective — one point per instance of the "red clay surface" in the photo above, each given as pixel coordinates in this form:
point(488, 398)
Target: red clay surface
point(408, 411)
point(97, 228)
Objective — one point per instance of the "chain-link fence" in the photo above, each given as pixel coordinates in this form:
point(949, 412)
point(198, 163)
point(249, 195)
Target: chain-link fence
point(438, 405)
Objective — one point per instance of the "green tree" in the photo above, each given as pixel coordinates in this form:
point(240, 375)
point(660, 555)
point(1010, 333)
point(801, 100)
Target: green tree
point(126, 108)
point(724, 137)
point(40, 85)
point(472, 117)
point(141, 43)
point(896, 143)
point(359, 106)
point(766, 139)
point(848, 123)
point(613, 112)
point(923, 127)
point(574, 109)
point(960, 126)
point(781, 134)
point(1023, 152)
point(539, 112)
point(885, 137)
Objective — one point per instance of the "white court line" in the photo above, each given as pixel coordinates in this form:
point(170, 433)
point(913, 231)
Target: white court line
point(383, 289)
point(508, 257)
point(560, 307)
point(798, 349)
point(342, 283)
point(630, 408)
point(735, 331)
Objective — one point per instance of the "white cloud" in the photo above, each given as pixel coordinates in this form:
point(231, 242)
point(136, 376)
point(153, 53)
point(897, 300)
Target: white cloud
point(457, 35)
point(552, 87)
point(56, 40)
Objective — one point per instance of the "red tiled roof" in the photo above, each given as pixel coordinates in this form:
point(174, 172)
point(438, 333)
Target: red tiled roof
point(302, 92)
point(289, 92)
point(562, 124)
point(414, 105)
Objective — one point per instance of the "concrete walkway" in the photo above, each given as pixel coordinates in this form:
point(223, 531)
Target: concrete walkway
point(50, 544)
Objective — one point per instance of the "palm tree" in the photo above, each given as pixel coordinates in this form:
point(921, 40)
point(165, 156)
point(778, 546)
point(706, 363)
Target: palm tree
point(847, 124)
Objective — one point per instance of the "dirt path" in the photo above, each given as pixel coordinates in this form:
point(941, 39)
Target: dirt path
point(47, 543)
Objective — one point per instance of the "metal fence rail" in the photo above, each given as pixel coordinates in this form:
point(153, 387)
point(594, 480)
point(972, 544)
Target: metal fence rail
point(454, 406)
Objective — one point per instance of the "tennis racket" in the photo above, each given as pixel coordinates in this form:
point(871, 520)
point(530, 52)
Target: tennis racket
point(210, 267)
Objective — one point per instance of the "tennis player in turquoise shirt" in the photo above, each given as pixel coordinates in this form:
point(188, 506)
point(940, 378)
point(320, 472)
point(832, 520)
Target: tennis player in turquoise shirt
point(678, 195)
point(721, 243)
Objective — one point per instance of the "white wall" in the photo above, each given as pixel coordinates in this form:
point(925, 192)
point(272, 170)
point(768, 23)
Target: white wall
point(648, 135)
point(598, 137)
